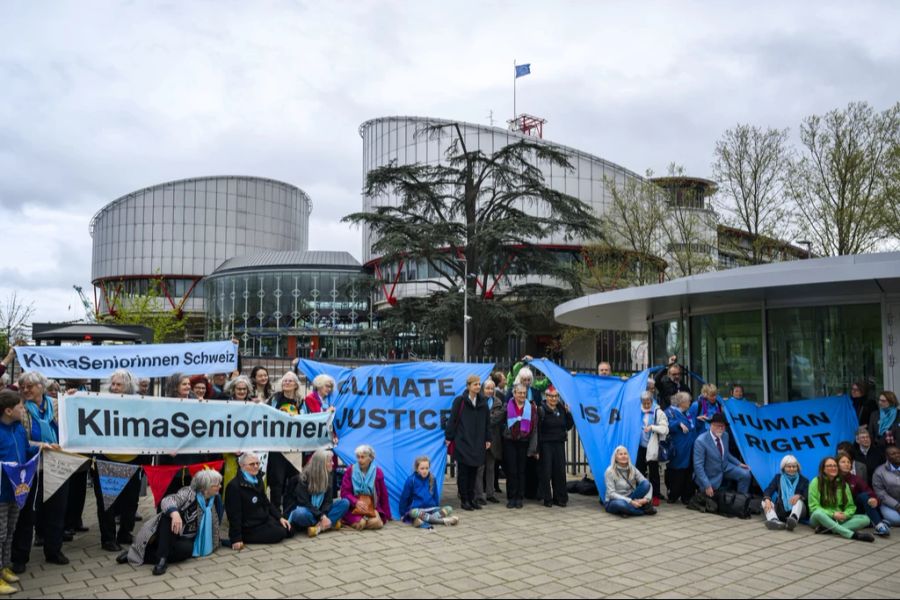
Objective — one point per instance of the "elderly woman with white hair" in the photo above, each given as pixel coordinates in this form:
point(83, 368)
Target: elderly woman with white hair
point(364, 488)
point(628, 493)
point(785, 500)
point(289, 400)
point(252, 519)
point(126, 505)
point(321, 398)
point(654, 429)
point(531, 482)
point(309, 496)
point(520, 444)
point(187, 526)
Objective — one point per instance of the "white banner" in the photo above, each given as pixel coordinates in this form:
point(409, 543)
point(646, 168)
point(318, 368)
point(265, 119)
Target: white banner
point(143, 360)
point(58, 468)
point(109, 424)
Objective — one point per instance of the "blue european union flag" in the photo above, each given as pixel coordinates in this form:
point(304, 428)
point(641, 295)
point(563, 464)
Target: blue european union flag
point(523, 70)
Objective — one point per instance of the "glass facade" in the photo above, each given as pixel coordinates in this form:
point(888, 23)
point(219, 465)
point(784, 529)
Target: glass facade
point(727, 349)
point(809, 352)
point(187, 228)
point(266, 308)
point(820, 351)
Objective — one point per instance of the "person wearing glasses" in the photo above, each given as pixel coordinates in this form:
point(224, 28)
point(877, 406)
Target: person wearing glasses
point(252, 519)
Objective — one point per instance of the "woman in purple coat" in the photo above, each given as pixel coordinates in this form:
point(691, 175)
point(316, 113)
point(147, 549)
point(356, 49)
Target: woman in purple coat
point(363, 479)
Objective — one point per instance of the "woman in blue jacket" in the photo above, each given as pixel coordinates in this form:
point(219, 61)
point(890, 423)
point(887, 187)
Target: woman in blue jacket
point(419, 501)
point(682, 433)
point(785, 500)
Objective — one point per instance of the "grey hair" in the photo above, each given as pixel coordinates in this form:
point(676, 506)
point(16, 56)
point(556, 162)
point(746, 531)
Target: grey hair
point(205, 479)
point(682, 397)
point(143, 380)
point(789, 459)
point(33, 378)
point(288, 376)
point(127, 380)
point(523, 373)
point(229, 387)
point(53, 384)
point(173, 383)
point(646, 395)
point(243, 458)
point(5, 379)
point(863, 429)
point(315, 473)
point(365, 449)
point(519, 386)
point(322, 380)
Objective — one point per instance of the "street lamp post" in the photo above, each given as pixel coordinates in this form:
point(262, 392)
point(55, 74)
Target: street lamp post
point(465, 310)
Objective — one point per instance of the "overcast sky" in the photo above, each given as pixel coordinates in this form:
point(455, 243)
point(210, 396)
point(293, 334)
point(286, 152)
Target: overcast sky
point(98, 99)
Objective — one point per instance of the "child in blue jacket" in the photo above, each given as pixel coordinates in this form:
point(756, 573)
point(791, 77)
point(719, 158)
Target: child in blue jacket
point(419, 501)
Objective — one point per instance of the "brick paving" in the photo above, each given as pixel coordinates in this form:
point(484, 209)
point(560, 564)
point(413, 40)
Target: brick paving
point(535, 552)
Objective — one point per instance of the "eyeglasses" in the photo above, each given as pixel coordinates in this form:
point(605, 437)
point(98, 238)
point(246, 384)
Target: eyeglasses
point(253, 464)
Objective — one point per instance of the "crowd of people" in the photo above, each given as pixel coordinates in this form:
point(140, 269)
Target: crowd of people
point(513, 422)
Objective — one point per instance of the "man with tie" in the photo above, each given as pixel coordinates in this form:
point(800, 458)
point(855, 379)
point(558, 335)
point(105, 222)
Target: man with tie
point(713, 463)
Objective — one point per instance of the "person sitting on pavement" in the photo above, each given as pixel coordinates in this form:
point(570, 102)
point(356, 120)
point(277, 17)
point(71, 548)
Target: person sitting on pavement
point(654, 430)
point(887, 487)
point(831, 505)
point(863, 495)
point(364, 488)
point(682, 433)
point(628, 493)
point(420, 503)
point(713, 462)
point(866, 452)
point(309, 496)
point(784, 501)
point(187, 526)
point(252, 519)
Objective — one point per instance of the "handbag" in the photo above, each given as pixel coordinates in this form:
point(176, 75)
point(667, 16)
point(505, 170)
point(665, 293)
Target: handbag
point(733, 504)
point(368, 509)
point(451, 448)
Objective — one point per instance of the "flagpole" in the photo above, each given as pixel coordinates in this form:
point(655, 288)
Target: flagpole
point(514, 90)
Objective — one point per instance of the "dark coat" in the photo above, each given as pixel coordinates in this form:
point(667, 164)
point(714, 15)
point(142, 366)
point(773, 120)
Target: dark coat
point(873, 459)
point(297, 495)
point(864, 407)
point(470, 429)
point(555, 425)
point(878, 440)
point(498, 422)
point(666, 388)
point(774, 489)
point(247, 506)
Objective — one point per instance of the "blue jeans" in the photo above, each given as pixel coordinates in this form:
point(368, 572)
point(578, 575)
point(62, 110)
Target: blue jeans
point(890, 515)
point(739, 475)
point(616, 507)
point(863, 508)
point(301, 517)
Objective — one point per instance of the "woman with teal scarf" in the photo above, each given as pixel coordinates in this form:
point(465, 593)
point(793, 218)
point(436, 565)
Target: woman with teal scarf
point(186, 527)
point(785, 500)
point(364, 482)
point(252, 519)
point(884, 424)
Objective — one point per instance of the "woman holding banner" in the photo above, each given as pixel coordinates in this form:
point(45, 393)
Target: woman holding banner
point(831, 505)
point(520, 441)
point(239, 388)
point(179, 386)
point(262, 387)
point(187, 526)
point(287, 400)
point(884, 424)
point(533, 394)
point(469, 432)
point(252, 519)
point(784, 501)
point(320, 398)
point(708, 404)
point(363, 487)
point(682, 434)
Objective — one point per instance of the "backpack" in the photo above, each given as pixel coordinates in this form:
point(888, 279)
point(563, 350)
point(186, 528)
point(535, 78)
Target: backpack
point(733, 504)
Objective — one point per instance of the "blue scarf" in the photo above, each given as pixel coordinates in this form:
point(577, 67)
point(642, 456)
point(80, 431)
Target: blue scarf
point(788, 489)
point(364, 483)
point(48, 434)
point(888, 416)
point(250, 478)
point(325, 401)
point(203, 543)
point(317, 499)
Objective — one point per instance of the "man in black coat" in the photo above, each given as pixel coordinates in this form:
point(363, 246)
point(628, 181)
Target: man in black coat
point(669, 382)
point(867, 453)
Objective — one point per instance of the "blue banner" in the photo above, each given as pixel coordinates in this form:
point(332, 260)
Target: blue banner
point(399, 410)
point(104, 423)
point(607, 412)
point(808, 429)
point(22, 478)
point(143, 360)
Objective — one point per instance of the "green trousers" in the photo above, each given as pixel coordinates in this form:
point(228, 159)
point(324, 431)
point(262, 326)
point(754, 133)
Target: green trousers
point(844, 529)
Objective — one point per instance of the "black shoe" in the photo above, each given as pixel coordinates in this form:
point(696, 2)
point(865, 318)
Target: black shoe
point(561, 504)
point(671, 500)
point(19, 568)
point(81, 529)
point(57, 559)
point(863, 537)
point(38, 541)
point(122, 558)
point(476, 505)
point(138, 518)
point(467, 506)
point(493, 500)
point(126, 539)
point(111, 547)
point(480, 501)
point(625, 515)
point(649, 509)
point(520, 504)
point(511, 504)
point(548, 504)
point(68, 536)
point(161, 567)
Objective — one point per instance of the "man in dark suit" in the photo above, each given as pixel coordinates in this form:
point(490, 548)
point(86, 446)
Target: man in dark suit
point(713, 463)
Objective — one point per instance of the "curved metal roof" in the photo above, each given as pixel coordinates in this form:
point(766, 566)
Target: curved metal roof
point(840, 279)
point(190, 179)
point(310, 259)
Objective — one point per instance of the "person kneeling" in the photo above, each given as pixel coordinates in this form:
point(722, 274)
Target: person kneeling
point(628, 493)
point(187, 526)
point(784, 501)
point(252, 518)
point(419, 501)
point(309, 496)
point(831, 505)
point(714, 463)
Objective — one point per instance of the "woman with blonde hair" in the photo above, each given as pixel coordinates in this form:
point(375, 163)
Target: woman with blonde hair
point(309, 496)
point(420, 503)
point(469, 431)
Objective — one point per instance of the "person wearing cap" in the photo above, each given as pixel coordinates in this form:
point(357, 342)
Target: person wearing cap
point(555, 423)
point(714, 463)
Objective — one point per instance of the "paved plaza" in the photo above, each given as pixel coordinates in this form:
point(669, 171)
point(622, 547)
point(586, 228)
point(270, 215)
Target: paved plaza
point(579, 551)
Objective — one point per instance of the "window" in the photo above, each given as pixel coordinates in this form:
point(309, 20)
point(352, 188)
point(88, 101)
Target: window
point(727, 349)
